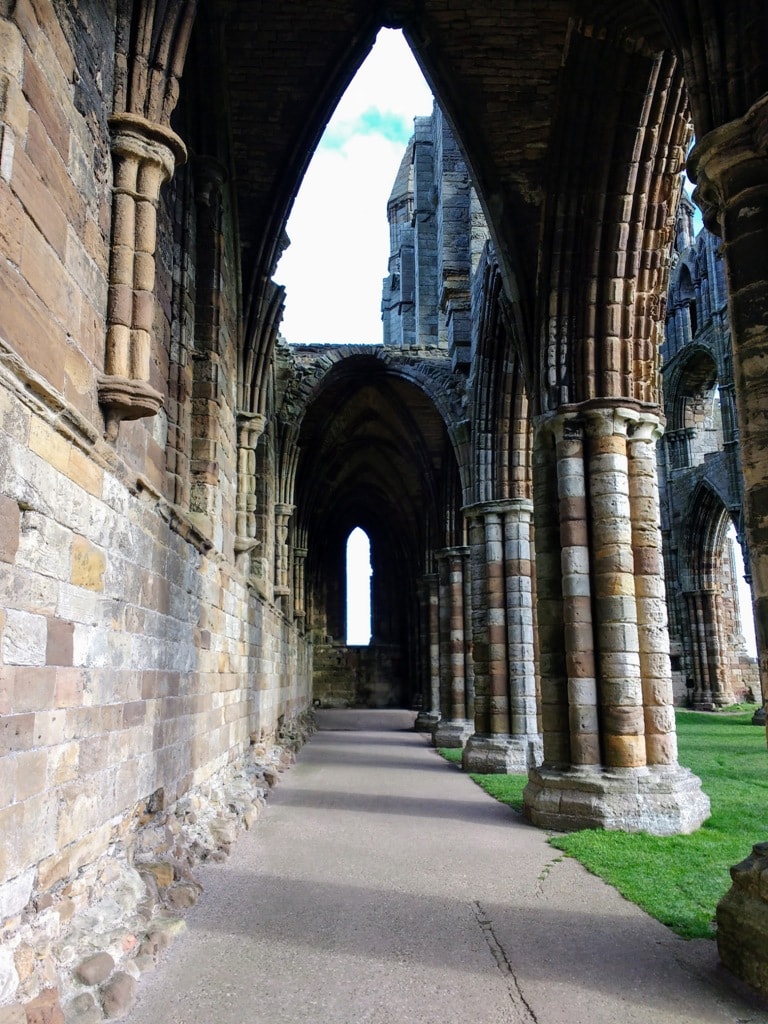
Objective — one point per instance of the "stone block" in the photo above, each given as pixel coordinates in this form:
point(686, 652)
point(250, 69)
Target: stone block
point(15, 894)
point(59, 647)
point(95, 969)
point(24, 638)
point(89, 564)
point(45, 1008)
point(119, 995)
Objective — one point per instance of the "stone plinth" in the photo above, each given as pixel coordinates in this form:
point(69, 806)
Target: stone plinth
point(453, 733)
point(499, 755)
point(742, 920)
point(662, 800)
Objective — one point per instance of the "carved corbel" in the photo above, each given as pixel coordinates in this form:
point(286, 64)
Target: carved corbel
point(145, 155)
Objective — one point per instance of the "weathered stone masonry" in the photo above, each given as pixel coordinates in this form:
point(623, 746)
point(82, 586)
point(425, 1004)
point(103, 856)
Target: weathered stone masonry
point(170, 478)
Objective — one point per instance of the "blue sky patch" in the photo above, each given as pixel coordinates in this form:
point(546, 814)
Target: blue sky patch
point(373, 121)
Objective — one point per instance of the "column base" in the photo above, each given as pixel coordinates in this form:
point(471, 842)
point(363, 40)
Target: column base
point(742, 921)
point(662, 800)
point(453, 732)
point(426, 721)
point(502, 755)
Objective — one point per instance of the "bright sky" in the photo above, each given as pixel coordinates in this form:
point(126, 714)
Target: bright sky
point(336, 262)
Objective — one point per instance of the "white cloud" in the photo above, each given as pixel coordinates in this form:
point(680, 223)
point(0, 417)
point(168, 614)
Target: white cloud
point(334, 267)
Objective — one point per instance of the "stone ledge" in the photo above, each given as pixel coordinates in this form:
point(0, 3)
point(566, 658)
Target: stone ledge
point(662, 801)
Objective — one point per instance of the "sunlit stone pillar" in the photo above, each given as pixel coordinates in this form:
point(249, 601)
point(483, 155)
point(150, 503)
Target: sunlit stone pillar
point(506, 737)
point(614, 779)
point(455, 724)
point(145, 155)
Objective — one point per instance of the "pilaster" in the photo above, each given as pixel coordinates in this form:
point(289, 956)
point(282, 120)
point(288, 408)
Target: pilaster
point(145, 155)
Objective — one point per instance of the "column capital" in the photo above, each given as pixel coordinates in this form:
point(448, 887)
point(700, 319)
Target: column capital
point(499, 507)
point(729, 161)
point(649, 428)
point(283, 508)
point(135, 137)
point(250, 426)
point(603, 415)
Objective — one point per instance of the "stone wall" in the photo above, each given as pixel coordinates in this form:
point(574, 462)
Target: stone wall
point(369, 676)
point(143, 675)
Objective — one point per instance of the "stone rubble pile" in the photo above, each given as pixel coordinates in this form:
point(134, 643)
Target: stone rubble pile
point(74, 953)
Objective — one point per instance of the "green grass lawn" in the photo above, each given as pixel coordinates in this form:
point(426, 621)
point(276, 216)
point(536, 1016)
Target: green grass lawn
point(679, 879)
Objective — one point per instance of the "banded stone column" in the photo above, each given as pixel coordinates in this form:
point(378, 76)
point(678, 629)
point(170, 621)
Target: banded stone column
point(144, 155)
point(623, 771)
point(455, 724)
point(650, 592)
point(506, 737)
point(577, 584)
point(429, 716)
point(250, 427)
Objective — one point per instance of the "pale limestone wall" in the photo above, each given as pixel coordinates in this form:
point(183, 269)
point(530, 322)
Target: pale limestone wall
point(131, 661)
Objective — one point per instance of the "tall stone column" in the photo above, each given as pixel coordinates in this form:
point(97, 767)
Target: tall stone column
point(455, 724)
point(622, 770)
point(506, 737)
point(145, 155)
point(429, 715)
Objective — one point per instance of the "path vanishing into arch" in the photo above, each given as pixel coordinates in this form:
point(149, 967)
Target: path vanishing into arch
point(383, 886)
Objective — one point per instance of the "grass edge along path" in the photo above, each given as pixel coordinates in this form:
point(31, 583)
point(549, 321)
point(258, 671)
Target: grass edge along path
point(677, 879)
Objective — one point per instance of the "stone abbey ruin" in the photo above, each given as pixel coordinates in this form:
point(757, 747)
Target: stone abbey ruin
point(177, 485)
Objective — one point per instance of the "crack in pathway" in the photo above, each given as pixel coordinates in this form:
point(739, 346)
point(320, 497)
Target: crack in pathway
point(523, 1011)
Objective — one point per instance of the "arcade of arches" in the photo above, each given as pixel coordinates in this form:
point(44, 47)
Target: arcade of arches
point(177, 486)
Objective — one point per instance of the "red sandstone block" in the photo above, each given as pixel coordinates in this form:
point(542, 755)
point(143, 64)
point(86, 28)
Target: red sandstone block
point(11, 224)
point(45, 1008)
point(33, 689)
point(45, 103)
point(52, 167)
point(49, 279)
point(59, 647)
point(38, 201)
point(27, 327)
